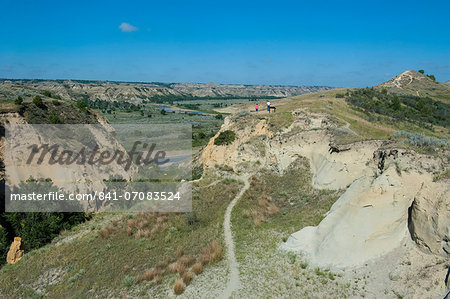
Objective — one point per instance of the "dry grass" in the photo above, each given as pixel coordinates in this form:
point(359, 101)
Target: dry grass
point(197, 268)
point(142, 233)
point(187, 277)
point(159, 271)
point(140, 278)
point(149, 275)
point(172, 268)
point(178, 287)
point(186, 260)
point(177, 267)
point(170, 260)
point(179, 252)
point(158, 279)
point(181, 268)
point(216, 251)
point(107, 232)
point(212, 253)
point(265, 208)
point(157, 255)
point(161, 264)
point(204, 258)
point(146, 225)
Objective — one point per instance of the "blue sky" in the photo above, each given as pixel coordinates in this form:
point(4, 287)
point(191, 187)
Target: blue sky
point(335, 43)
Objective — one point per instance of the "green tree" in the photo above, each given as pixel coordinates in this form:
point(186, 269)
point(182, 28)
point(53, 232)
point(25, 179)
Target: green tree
point(39, 228)
point(432, 77)
point(81, 105)
point(18, 101)
point(421, 71)
point(395, 103)
point(4, 244)
point(37, 100)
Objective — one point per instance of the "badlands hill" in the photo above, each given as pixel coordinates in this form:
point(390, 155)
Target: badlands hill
point(417, 84)
point(321, 199)
point(132, 91)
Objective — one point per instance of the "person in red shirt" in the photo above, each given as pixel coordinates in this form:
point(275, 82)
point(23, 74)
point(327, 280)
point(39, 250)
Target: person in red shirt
point(256, 107)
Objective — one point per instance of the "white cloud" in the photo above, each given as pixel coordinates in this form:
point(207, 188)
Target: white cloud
point(125, 27)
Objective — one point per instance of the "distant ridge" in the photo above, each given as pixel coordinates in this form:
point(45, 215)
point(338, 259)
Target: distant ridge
point(136, 91)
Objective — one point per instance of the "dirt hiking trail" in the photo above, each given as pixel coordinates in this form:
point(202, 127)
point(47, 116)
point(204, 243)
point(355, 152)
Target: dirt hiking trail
point(233, 283)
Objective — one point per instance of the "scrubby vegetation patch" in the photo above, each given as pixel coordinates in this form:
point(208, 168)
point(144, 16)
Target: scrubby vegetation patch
point(225, 138)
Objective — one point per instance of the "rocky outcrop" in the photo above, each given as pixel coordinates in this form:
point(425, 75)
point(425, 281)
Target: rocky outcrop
point(71, 178)
point(373, 217)
point(368, 221)
point(15, 252)
point(429, 219)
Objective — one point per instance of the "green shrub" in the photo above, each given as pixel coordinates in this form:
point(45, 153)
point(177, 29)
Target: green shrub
point(424, 112)
point(292, 257)
point(18, 101)
point(129, 281)
point(219, 116)
point(39, 228)
point(432, 77)
point(46, 93)
point(54, 118)
point(4, 244)
point(191, 218)
point(419, 139)
point(72, 279)
point(37, 100)
point(442, 176)
point(197, 172)
point(81, 105)
point(225, 138)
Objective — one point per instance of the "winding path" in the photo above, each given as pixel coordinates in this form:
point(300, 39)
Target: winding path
point(233, 279)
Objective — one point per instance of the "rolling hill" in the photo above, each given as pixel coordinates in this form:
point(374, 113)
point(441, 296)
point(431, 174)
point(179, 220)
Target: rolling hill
point(416, 84)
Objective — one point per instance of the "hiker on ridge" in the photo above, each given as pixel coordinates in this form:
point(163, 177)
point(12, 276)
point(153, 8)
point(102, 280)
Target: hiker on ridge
point(268, 106)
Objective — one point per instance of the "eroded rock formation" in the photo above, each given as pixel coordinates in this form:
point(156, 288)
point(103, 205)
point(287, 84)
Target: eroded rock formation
point(16, 251)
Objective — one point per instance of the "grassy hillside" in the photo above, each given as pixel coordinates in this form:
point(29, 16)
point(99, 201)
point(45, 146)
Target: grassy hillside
point(127, 252)
point(417, 83)
point(368, 124)
point(424, 112)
